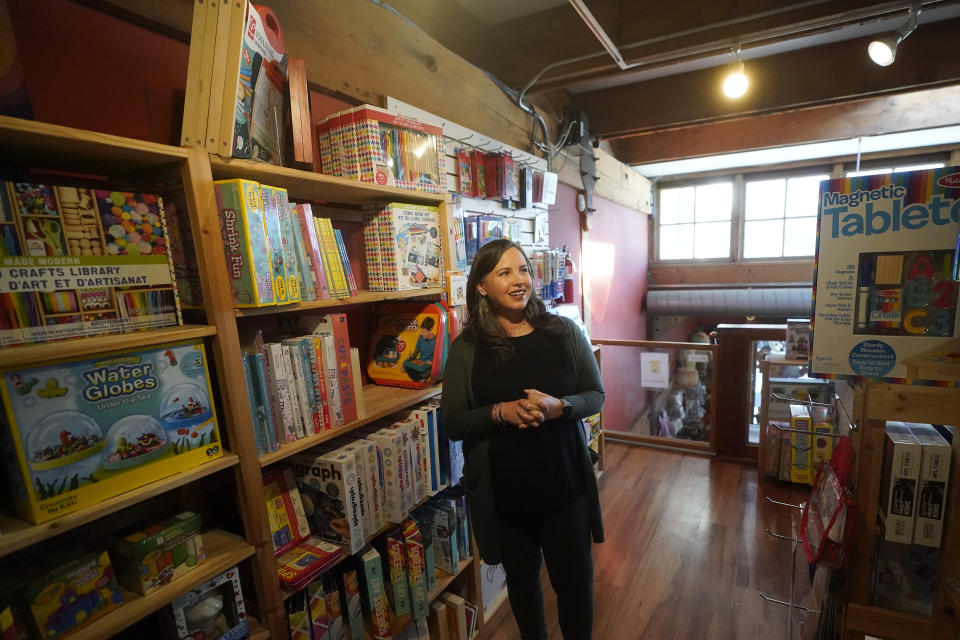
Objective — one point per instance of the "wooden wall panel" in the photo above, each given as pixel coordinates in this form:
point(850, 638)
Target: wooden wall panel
point(732, 273)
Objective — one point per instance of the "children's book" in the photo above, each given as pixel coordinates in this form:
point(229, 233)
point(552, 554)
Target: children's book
point(276, 202)
point(308, 283)
point(304, 562)
point(288, 521)
point(259, 403)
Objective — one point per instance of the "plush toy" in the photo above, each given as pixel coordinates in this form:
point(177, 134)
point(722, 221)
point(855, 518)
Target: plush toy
point(205, 618)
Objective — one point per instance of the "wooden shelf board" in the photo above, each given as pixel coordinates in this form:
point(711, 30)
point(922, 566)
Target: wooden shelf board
point(16, 534)
point(784, 361)
point(257, 630)
point(316, 186)
point(886, 623)
point(30, 143)
point(399, 623)
point(224, 550)
point(362, 297)
point(379, 401)
point(31, 355)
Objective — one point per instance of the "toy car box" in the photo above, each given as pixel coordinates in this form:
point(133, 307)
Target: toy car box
point(151, 557)
point(212, 610)
point(76, 432)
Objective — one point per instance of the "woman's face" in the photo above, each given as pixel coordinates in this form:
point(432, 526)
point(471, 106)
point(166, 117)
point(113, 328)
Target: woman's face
point(508, 286)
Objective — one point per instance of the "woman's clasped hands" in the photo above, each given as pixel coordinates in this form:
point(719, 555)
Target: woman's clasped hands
point(532, 411)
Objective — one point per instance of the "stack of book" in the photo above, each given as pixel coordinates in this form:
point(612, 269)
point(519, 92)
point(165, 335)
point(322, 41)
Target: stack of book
point(370, 144)
point(304, 384)
point(276, 251)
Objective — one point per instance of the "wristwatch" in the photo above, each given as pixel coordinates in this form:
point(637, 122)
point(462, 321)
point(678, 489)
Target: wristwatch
point(567, 409)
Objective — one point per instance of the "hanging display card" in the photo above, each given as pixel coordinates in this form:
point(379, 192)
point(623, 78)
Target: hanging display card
point(655, 370)
point(884, 288)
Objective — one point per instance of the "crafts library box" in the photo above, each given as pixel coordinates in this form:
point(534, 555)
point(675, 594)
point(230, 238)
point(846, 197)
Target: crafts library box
point(81, 262)
point(151, 557)
point(76, 432)
point(885, 284)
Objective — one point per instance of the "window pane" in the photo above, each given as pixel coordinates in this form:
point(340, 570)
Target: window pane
point(764, 199)
point(802, 196)
point(676, 205)
point(676, 242)
point(918, 167)
point(800, 237)
point(868, 172)
point(714, 201)
point(712, 240)
point(763, 239)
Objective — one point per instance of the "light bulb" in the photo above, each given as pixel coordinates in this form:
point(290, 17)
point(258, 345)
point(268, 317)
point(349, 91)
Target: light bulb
point(735, 85)
point(883, 51)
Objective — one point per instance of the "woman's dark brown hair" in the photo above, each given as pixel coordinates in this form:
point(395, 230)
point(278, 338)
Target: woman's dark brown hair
point(482, 325)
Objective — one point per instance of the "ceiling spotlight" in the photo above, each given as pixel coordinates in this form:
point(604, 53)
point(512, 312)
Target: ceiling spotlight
point(883, 50)
point(736, 83)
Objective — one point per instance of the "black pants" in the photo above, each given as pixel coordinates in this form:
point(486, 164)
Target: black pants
point(564, 539)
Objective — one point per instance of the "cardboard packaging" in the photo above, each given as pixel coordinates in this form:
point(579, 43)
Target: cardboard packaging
point(898, 484)
point(932, 485)
point(84, 430)
point(153, 556)
point(214, 607)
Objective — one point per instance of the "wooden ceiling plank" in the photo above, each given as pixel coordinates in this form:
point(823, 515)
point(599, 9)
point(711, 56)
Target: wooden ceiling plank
point(819, 75)
point(866, 117)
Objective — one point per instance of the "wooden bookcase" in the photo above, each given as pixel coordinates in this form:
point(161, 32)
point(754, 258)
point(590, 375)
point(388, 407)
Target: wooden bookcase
point(874, 404)
point(26, 146)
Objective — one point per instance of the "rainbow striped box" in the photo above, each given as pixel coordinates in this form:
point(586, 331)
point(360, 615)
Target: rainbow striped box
point(78, 262)
point(885, 284)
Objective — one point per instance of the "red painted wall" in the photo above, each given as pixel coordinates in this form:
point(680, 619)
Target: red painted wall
point(613, 260)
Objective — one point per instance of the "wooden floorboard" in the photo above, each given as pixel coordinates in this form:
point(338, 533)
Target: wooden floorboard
point(686, 554)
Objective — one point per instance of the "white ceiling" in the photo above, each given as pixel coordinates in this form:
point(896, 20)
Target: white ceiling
point(494, 12)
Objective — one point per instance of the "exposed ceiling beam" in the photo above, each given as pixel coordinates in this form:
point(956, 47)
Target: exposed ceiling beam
point(808, 77)
point(865, 117)
point(522, 48)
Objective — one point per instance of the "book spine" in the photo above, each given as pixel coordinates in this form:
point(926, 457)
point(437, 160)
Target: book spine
point(318, 610)
point(280, 393)
point(333, 386)
point(345, 260)
point(351, 595)
point(357, 382)
point(256, 416)
point(309, 231)
point(304, 381)
point(313, 365)
point(331, 260)
point(287, 242)
point(308, 284)
point(259, 368)
point(322, 384)
point(416, 570)
point(271, 222)
point(374, 482)
point(397, 592)
point(337, 323)
point(291, 378)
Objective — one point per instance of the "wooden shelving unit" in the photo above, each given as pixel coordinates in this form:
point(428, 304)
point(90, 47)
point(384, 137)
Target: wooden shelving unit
point(18, 534)
point(223, 551)
point(362, 297)
point(873, 405)
point(128, 162)
point(257, 630)
point(37, 354)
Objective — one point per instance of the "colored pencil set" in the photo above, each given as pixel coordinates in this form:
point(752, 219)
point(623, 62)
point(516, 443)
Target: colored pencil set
point(373, 145)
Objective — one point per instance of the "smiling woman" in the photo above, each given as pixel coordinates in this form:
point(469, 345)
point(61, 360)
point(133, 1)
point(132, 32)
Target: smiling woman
point(517, 383)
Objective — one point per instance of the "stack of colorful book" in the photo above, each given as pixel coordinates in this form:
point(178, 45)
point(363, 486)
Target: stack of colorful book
point(276, 251)
point(303, 384)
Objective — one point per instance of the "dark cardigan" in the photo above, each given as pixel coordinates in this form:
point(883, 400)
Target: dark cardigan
point(463, 420)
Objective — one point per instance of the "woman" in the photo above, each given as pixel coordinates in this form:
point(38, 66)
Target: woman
point(516, 383)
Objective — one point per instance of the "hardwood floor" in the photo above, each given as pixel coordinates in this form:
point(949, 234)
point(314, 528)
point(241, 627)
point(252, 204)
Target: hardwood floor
point(686, 554)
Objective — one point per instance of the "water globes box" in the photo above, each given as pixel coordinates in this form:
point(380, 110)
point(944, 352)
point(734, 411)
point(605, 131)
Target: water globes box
point(79, 431)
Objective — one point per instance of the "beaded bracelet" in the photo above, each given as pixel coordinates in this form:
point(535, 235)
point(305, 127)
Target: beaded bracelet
point(499, 409)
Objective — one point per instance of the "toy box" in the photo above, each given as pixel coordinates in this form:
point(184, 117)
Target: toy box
point(153, 556)
point(409, 243)
point(213, 610)
point(904, 577)
point(245, 248)
point(898, 483)
point(81, 262)
point(78, 431)
point(798, 338)
point(885, 290)
point(932, 484)
point(407, 346)
point(328, 487)
point(66, 595)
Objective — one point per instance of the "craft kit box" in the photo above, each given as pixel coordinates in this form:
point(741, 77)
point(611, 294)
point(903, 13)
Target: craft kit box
point(245, 245)
point(213, 609)
point(932, 484)
point(80, 262)
point(885, 289)
point(151, 557)
point(65, 595)
point(76, 432)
